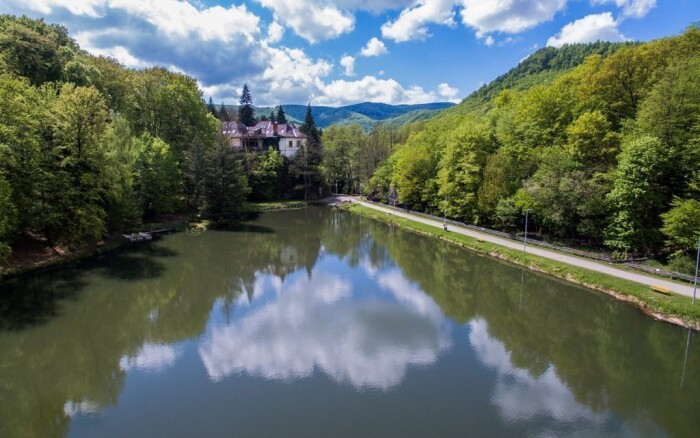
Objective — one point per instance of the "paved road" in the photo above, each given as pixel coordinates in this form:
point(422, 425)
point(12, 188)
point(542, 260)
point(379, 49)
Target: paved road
point(576, 261)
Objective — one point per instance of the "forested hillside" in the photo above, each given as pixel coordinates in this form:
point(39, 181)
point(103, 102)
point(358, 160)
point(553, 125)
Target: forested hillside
point(89, 148)
point(600, 142)
point(366, 115)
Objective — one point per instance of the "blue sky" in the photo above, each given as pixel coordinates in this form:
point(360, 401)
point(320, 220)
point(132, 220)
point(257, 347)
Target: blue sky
point(337, 52)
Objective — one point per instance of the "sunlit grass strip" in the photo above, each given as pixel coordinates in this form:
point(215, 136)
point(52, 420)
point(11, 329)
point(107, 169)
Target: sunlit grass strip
point(674, 308)
point(259, 207)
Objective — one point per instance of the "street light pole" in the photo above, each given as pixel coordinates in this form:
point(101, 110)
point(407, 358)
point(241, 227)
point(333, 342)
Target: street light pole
point(444, 218)
point(697, 264)
point(526, 217)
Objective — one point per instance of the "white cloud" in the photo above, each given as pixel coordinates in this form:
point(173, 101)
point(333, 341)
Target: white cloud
point(313, 22)
point(181, 19)
point(90, 8)
point(348, 63)
point(374, 47)
point(630, 8)
point(509, 16)
point(489, 41)
point(316, 324)
point(412, 23)
point(275, 32)
point(447, 92)
point(371, 89)
point(598, 27)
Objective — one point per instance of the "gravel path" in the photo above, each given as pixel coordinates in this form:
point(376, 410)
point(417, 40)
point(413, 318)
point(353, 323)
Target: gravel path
point(576, 261)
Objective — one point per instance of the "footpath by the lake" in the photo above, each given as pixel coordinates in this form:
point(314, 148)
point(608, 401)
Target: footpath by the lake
point(625, 285)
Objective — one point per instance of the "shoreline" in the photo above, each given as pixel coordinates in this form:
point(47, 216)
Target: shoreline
point(178, 223)
point(674, 309)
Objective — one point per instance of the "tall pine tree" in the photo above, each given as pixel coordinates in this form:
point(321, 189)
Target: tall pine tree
point(281, 117)
point(224, 116)
point(246, 113)
point(211, 108)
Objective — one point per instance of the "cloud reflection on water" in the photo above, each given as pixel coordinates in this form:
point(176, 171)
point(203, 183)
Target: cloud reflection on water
point(319, 323)
point(521, 397)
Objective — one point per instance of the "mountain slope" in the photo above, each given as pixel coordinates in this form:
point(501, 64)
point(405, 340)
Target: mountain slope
point(365, 114)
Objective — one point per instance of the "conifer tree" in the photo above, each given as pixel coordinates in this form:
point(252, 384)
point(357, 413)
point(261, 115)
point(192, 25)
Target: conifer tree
point(211, 108)
point(246, 113)
point(281, 117)
point(224, 116)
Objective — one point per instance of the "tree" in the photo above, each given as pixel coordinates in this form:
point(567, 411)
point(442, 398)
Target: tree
point(264, 175)
point(79, 123)
point(682, 224)
point(7, 218)
point(224, 116)
point(246, 112)
point(21, 117)
point(591, 141)
point(122, 152)
point(212, 109)
point(158, 177)
point(638, 196)
point(281, 117)
point(461, 169)
point(32, 53)
point(225, 183)
point(309, 127)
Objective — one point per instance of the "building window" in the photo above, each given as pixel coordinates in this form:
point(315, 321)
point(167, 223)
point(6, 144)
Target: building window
point(291, 144)
point(298, 143)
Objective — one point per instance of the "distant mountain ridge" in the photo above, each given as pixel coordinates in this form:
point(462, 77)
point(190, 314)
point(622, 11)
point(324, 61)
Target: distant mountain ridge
point(366, 114)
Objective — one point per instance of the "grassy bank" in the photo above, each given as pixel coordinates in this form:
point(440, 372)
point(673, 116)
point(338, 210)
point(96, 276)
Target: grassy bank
point(676, 309)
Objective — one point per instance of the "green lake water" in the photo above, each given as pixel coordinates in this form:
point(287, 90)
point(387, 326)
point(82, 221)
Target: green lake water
point(316, 322)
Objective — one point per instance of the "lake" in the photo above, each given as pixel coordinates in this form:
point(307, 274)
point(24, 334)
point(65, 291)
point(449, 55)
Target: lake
point(317, 322)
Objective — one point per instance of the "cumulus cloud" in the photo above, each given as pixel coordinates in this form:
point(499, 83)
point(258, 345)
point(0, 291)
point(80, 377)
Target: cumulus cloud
point(311, 21)
point(597, 27)
point(447, 92)
point(374, 47)
point(275, 32)
point(224, 47)
point(630, 8)
point(89, 8)
point(508, 16)
point(412, 23)
point(317, 324)
point(372, 89)
point(348, 64)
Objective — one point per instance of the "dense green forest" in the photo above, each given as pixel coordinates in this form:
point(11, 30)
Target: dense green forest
point(600, 142)
point(89, 148)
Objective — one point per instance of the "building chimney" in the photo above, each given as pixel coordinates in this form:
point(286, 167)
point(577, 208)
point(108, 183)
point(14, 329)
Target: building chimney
point(274, 128)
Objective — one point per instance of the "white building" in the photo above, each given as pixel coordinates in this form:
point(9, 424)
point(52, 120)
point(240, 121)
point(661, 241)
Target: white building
point(285, 138)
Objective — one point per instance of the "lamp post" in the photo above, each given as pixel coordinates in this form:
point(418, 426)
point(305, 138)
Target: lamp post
point(526, 217)
point(336, 187)
point(697, 264)
point(444, 218)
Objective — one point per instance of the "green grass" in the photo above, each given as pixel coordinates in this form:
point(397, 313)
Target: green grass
point(259, 207)
point(673, 308)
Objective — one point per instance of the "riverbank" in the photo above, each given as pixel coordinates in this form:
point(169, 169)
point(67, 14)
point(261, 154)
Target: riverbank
point(675, 309)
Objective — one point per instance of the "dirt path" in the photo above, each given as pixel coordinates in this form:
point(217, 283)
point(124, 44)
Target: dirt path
point(576, 261)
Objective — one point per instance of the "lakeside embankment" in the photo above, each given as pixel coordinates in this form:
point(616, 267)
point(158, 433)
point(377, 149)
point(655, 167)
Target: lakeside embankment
point(674, 308)
point(36, 255)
